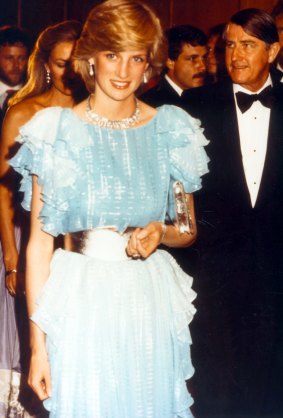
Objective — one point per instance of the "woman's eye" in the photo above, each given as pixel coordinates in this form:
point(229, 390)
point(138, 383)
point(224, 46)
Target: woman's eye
point(61, 64)
point(138, 59)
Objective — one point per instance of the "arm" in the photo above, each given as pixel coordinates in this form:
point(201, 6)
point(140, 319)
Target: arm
point(145, 241)
point(10, 130)
point(39, 253)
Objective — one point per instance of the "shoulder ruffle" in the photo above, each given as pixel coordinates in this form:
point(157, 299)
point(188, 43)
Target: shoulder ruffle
point(186, 142)
point(46, 154)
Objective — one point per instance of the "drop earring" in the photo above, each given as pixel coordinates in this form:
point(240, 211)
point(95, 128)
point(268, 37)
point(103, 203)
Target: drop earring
point(48, 77)
point(145, 80)
point(91, 69)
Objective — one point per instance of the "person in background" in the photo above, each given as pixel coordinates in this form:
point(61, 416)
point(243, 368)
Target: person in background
point(50, 82)
point(185, 66)
point(277, 14)
point(109, 319)
point(216, 66)
point(15, 44)
point(237, 333)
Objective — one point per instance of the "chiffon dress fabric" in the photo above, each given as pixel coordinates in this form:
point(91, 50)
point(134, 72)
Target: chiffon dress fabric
point(116, 328)
point(10, 368)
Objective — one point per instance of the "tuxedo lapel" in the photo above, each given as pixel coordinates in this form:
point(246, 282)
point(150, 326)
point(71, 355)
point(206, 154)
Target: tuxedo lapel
point(162, 93)
point(167, 91)
point(273, 165)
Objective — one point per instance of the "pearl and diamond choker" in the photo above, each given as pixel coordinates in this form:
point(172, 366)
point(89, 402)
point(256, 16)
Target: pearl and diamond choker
point(104, 122)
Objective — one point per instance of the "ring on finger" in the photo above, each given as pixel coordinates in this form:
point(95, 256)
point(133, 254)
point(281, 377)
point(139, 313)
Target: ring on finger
point(136, 256)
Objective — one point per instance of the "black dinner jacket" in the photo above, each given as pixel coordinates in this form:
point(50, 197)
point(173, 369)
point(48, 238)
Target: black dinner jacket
point(276, 75)
point(224, 208)
point(162, 93)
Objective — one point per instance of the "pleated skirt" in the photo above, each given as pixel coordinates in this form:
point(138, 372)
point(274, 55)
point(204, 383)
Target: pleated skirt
point(117, 336)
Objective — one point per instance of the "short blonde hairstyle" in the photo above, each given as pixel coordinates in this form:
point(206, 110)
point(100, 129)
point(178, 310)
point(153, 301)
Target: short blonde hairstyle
point(120, 25)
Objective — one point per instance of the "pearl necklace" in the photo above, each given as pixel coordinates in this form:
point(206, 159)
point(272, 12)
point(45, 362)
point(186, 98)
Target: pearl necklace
point(104, 122)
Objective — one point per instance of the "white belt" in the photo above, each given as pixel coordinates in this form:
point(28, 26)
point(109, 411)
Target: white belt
point(104, 244)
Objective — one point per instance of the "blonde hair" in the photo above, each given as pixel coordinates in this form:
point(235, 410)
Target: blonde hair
point(67, 31)
point(119, 25)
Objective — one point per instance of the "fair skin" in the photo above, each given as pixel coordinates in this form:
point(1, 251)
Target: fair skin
point(279, 25)
point(118, 75)
point(248, 58)
point(189, 69)
point(13, 64)
point(17, 116)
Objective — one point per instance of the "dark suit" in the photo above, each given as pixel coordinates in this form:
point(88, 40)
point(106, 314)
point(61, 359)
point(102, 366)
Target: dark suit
point(237, 333)
point(162, 93)
point(276, 74)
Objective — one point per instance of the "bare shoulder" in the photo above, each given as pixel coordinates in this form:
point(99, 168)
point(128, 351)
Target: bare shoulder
point(21, 112)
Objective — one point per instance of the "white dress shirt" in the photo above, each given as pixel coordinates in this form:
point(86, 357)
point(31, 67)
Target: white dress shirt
point(253, 129)
point(174, 85)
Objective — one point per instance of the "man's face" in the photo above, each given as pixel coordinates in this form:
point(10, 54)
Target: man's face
point(248, 58)
point(189, 69)
point(13, 64)
point(279, 25)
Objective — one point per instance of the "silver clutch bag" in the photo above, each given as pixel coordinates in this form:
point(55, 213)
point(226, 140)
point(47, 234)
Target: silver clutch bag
point(183, 216)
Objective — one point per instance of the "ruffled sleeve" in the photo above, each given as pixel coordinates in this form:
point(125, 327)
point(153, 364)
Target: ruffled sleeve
point(45, 155)
point(187, 157)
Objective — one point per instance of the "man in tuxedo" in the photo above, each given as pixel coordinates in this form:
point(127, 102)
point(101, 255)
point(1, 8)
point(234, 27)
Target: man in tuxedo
point(237, 333)
point(14, 51)
point(185, 66)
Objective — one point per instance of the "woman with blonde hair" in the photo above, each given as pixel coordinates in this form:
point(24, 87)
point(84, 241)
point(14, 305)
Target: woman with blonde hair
point(50, 83)
point(109, 335)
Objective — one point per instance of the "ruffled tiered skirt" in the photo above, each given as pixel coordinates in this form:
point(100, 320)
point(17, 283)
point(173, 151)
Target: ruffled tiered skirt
point(117, 336)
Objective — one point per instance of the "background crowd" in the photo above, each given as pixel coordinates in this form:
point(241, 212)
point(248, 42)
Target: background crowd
point(237, 260)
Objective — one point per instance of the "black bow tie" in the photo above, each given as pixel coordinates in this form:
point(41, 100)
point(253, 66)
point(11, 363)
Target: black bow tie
point(245, 100)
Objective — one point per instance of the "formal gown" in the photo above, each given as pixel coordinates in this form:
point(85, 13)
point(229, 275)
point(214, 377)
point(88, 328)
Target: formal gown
point(10, 368)
point(117, 329)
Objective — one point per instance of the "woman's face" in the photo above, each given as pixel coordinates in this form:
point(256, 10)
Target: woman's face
point(59, 65)
point(119, 74)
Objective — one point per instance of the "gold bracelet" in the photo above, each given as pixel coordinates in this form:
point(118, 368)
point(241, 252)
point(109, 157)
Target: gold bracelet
point(164, 230)
point(8, 272)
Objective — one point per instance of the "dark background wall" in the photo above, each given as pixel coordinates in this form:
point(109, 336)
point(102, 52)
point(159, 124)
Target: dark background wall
point(37, 14)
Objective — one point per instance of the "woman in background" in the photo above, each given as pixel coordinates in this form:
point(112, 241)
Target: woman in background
point(50, 83)
point(109, 319)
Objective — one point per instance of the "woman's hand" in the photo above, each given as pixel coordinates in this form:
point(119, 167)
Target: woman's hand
point(15, 283)
point(11, 282)
point(39, 377)
point(144, 242)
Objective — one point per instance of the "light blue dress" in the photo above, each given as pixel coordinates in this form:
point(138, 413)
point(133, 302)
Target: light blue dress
point(117, 329)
